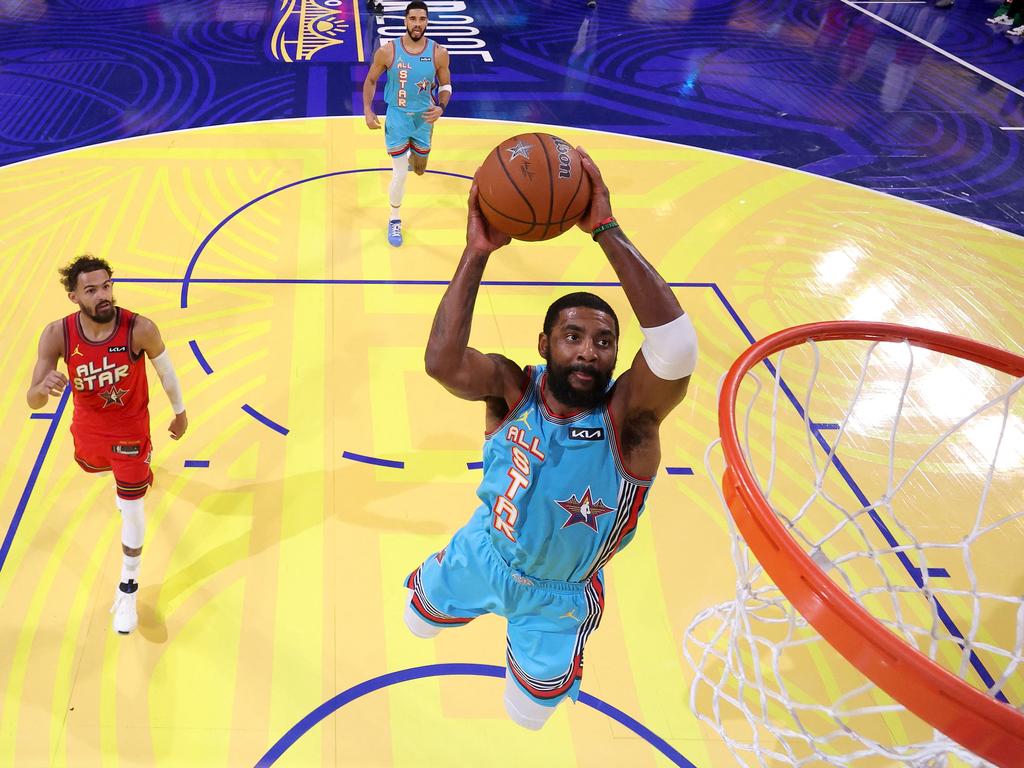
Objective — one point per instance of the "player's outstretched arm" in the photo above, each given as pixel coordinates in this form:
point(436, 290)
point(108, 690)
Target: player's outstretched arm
point(46, 379)
point(382, 58)
point(657, 379)
point(147, 337)
point(462, 370)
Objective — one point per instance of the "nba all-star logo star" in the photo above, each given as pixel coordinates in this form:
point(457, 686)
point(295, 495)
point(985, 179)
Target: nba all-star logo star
point(584, 510)
point(521, 149)
point(424, 85)
point(113, 396)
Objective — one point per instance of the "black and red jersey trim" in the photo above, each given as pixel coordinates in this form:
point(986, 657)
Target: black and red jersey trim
point(555, 687)
point(523, 397)
point(425, 609)
point(631, 500)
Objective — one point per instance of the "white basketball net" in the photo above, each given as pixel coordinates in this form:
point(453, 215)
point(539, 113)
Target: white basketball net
point(935, 444)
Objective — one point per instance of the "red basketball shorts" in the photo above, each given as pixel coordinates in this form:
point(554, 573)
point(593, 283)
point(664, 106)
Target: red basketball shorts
point(127, 457)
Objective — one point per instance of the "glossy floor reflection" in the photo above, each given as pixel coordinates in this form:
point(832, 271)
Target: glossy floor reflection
point(272, 575)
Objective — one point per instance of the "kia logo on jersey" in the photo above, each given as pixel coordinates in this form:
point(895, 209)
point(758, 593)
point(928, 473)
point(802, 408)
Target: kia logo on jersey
point(583, 433)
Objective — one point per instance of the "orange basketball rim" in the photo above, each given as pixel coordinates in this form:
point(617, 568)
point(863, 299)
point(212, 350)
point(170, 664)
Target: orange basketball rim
point(979, 722)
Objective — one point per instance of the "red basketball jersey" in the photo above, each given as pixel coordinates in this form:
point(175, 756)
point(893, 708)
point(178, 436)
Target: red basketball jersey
point(109, 382)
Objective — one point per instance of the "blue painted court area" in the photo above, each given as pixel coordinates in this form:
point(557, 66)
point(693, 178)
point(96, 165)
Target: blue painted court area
point(904, 98)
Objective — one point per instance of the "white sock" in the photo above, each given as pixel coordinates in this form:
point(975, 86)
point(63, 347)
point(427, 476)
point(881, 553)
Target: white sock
point(400, 169)
point(130, 568)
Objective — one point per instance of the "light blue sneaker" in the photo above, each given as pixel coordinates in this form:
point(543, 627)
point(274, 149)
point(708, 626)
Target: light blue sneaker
point(395, 232)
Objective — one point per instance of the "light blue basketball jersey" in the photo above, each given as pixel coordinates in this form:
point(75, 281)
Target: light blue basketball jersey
point(410, 78)
point(557, 502)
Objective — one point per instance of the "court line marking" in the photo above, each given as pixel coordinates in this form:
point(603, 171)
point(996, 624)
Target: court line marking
point(187, 278)
point(1011, 128)
point(935, 48)
point(199, 357)
point(197, 463)
point(389, 281)
point(373, 460)
point(359, 690)
point(30, 484)
point(264, 420)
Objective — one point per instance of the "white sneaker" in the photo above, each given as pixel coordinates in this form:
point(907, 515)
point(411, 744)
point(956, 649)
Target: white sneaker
point(125, 616)
point(1000, 19)
point(1017, 31)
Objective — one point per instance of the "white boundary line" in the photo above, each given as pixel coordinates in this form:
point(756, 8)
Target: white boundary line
point(1011, 128)
point(889, 2)
point(935, 48)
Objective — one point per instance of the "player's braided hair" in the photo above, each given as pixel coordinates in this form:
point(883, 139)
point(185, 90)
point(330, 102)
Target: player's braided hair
point(84, 263)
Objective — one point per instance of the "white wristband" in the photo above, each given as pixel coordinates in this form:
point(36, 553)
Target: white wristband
point(169, 379)
point(671, 349)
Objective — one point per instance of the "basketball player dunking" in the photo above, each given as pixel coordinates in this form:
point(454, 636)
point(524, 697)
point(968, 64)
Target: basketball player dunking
point(413, 63)
point(569, 458)
point(102, 345)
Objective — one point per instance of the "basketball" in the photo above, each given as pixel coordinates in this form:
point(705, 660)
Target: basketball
point(532, 187)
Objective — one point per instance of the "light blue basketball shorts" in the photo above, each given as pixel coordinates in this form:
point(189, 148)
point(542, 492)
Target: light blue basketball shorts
point(406, 130)
point(548, 621)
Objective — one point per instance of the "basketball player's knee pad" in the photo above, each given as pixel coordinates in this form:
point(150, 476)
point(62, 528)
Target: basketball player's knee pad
point(671, 349)
point(417, 625)
point(133, 522)
point(522, 709)
point(400, 166)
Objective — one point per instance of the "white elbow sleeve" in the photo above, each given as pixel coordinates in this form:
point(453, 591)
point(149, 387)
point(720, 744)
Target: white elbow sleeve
point(169, 380)
point(671, 349)
point(443, 88)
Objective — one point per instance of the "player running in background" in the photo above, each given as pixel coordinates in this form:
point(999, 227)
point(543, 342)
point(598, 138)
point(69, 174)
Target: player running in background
point(103, 346)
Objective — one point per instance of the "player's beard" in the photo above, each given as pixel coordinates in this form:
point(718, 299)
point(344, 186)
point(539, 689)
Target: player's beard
point(101, 316)
point(417, 35)
point(584, 399)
